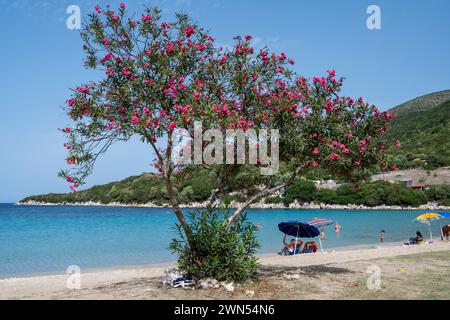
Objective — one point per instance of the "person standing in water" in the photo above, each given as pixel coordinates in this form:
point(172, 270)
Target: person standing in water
point(322, 234)
point(337, 227)
point(382, 235)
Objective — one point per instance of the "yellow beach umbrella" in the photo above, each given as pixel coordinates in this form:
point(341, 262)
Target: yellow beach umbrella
point(427, 218)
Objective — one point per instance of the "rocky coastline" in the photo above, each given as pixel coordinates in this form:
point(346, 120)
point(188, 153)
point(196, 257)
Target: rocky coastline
point(258, 205)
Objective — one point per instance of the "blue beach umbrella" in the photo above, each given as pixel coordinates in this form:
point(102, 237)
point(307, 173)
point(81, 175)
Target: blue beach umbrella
point(298, 229)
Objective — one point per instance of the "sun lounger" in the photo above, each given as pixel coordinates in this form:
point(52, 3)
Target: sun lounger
point(309, 249)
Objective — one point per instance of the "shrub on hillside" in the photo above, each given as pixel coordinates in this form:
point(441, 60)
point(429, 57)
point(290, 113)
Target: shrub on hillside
point(273, 200)
point(302, 191)
point(327, 196)
point(440, 194)
point(347, 194)
point(202, 187)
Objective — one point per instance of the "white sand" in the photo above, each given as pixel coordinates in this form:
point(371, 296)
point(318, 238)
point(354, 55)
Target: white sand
point(42, 287)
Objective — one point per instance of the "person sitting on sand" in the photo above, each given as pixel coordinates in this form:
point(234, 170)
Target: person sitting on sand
point(417, 239)
point(290, 247)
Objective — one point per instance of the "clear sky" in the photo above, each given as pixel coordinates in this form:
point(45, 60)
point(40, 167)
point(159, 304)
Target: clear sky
point(41, 59)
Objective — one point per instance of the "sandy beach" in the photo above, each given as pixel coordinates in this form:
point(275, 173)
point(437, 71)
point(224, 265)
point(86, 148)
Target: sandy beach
point(334, 274)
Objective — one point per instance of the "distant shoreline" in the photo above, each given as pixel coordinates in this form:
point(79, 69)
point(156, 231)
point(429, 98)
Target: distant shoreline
point(258, 205)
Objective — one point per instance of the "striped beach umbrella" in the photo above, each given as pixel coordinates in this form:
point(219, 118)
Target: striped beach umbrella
point(320, 222)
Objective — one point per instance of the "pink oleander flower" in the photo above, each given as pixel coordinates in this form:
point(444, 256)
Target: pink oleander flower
point(329, 106)
point(171, 126)
point(70, 102)
point(122, 5)
point(82, 89)
point(66, 130)
point(397, 144)
point(189, 31)
point(248, 38)
point(362, 151)
point(314, 164)
point(106, 42)
point(331, 73)
point(106, 57)
point(349, 136)
point(350, 101)
point(135, 120)
point(315, 150)
point(334, 156)
point(146, 18)
point(322, 81)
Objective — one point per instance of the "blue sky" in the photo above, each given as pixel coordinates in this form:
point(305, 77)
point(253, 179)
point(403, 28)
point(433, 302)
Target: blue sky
point(41, 59)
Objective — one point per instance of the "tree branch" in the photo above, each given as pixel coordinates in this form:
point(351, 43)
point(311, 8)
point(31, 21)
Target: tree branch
point(262, 194)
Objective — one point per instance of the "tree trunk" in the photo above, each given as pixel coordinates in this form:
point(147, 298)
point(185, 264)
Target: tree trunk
point(252, 199)
point(176, 209)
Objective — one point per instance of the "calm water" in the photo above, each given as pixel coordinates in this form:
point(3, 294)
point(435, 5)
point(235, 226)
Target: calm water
point(49, 239)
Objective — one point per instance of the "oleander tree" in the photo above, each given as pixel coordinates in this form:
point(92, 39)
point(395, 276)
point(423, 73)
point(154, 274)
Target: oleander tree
point(161, 76)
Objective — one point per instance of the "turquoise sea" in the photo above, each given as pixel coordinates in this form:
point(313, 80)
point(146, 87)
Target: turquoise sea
point(42, 239)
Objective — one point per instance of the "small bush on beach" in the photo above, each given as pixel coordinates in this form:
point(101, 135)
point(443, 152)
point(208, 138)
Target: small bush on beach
point(225, 254)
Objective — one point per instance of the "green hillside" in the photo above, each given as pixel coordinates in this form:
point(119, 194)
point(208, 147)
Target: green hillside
point(423, 127)
point(423, 103)
point(144, 188)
